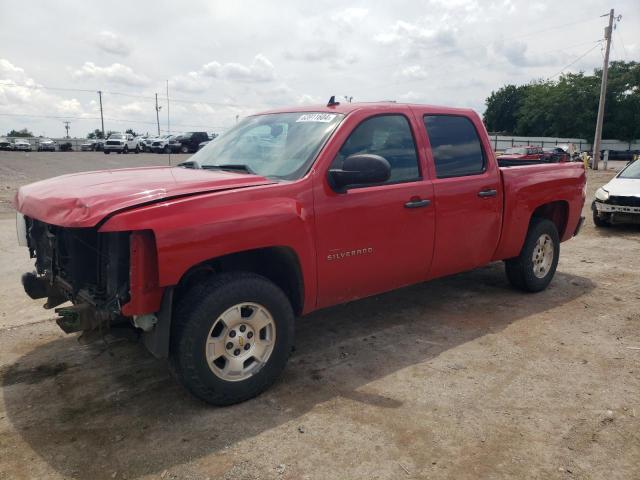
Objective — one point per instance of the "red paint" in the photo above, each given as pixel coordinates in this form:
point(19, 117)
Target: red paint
point(349, 245)
point(84, 199)
point(143, 275)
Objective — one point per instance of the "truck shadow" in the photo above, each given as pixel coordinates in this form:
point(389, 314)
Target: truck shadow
point(91, 411)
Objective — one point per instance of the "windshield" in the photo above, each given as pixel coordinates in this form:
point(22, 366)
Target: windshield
point(281, 145)
point(116, 136)
point(632, 171)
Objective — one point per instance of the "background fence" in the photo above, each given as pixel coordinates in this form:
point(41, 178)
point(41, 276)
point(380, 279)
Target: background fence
point(501, 142)
point(498, 142)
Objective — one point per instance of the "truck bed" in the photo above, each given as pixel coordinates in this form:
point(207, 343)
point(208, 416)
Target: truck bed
point(526, 188)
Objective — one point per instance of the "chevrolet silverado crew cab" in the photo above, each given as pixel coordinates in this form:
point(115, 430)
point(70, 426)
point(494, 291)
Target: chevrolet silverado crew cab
point(289, 211)
point(121, 143)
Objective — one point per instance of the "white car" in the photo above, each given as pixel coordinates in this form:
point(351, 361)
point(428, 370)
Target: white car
point(46, 145)
point(22, 145)
point(121, 143)
point(619, 200)
point(161, 144)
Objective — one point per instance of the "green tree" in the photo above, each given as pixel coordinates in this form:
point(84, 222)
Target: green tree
point(568, 107)
point(20, 133)
point(130, 130)
point(97, 133)
point(502, 108)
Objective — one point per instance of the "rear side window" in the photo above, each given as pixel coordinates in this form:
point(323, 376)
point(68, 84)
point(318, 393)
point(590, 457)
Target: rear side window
point(455, 145)
point(390, 137)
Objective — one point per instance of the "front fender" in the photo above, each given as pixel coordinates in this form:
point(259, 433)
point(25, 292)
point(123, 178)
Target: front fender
point(194, 229)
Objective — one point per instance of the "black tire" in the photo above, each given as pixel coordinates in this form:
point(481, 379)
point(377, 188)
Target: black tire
point(167, 149)
point(125, 150)
point(137, 150)
point(107, 152)
point(195, 315)
point(520, 270)
point(597, 220)
point(184, 149)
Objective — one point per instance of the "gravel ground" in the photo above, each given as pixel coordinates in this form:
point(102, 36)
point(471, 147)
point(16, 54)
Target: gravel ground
point(460, 378)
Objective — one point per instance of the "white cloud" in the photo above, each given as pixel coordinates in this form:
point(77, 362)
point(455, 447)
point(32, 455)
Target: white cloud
point(191, 82)
point(414, 34)
point(413, 72)
point(260, 70)
point(113, 43)
point(349, 17)
point(306, 99)
point(115, 73)
point(516, 53)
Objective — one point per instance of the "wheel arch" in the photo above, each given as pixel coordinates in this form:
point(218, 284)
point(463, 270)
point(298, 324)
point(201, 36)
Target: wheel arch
point(279, 264)
point(556, 211)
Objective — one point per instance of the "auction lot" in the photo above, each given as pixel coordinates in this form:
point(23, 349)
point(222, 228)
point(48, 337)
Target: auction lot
point(460, 378)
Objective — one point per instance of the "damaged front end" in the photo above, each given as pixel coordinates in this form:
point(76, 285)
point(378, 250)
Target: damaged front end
point(81, 265)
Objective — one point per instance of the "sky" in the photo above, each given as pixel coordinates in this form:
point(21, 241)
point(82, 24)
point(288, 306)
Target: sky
point(223, 60)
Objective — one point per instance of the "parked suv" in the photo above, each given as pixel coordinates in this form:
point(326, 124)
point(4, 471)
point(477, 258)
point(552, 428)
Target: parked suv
point(161, 144)
point(188, 142)
point(22, 145)
point(121, 143)
point(5, 144)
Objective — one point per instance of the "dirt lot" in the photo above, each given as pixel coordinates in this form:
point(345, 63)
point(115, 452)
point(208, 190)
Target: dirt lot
point(459, 378)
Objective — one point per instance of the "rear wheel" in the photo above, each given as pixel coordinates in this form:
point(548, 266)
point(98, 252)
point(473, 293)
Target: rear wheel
point(534, 268)
point(125, 149)
point(137, 150)
point(184, 149)
point(107, 152)
point(231, 337)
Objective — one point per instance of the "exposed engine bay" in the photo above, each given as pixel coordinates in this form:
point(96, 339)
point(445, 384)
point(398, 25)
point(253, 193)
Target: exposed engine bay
point(80, 265)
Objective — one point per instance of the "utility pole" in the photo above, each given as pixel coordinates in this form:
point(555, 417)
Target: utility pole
point(66, 126)
point(603, 92)
point(101, 117)
point(158, 114)
point(168, 117)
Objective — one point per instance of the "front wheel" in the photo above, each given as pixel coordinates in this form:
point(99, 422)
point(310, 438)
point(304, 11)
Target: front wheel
point(231, 337)
point(106, 152)
point(125, 150)
point(167, 149)
point(184, 149)
point(534, 268)
point(137, 150)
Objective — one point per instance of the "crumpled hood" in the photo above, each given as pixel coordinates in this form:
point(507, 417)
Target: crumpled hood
point(84, 199)
point(623, 187)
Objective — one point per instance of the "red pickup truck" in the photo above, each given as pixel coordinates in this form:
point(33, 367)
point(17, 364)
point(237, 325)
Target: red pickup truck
point(289, 211)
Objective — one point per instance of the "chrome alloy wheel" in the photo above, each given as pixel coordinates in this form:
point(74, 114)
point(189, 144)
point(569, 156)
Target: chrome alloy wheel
point(240, 341)
point(542, 257)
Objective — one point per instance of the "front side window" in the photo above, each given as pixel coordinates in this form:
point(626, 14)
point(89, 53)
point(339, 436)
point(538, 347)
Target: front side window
point(278, 145)
point(455, 146)
point(388, 136)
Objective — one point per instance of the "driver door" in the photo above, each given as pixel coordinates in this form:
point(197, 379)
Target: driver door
point(374, 238)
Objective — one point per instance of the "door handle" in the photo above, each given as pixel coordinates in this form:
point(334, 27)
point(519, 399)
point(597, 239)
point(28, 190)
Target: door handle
point(487, 193)
point(417, 203)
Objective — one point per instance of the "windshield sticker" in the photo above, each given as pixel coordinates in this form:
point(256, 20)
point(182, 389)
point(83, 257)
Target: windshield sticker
point(316, 117)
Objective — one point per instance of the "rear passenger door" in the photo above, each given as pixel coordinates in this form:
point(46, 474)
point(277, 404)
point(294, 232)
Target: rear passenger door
point(468, 194)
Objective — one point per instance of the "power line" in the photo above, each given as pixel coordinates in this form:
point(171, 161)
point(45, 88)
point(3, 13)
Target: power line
point(483, 46)
point(120, 94)
point(577, 59)
point(119, 120)
point(472, 67)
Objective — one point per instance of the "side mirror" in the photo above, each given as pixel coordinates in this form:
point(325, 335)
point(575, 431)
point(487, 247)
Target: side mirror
point(360, 169)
